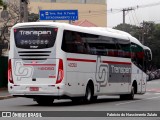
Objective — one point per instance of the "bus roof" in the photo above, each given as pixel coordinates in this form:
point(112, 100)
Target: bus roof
point(132, 39)
point(96, 30)
point(147, 48)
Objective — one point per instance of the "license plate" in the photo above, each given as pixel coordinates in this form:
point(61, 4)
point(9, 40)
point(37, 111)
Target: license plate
point(34, 88)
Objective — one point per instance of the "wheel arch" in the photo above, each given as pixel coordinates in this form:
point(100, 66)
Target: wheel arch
point(91, 84)
point(134, 84)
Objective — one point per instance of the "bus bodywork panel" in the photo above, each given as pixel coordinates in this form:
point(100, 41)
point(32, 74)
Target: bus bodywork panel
point(109, 76)
point(35, 71)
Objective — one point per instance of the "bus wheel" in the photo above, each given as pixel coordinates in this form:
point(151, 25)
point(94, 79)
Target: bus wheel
point(44, 101)
point(128, 96)
point(77, 100)
point(89, 94)
point(94, 99)
point(131, 95)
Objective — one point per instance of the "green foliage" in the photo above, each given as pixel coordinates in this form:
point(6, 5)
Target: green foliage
point(3, 4)
point(131, 29)
point(33, 17)
point(151, 33)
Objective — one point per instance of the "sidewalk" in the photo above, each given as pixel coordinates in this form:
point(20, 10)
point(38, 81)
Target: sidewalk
point(4, 94)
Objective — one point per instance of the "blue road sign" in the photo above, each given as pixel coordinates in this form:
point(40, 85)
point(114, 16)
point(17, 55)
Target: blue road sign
point(58, 15)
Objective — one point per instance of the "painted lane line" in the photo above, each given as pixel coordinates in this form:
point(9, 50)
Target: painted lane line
point(123, 103)
point(152, 98)
point(151, 93)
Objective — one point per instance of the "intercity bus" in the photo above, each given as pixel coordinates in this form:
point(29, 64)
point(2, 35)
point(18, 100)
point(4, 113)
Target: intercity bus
point(49, 60)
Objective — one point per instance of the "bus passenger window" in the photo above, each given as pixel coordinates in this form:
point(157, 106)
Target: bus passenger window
point(79, 44)
point(93, 50)
point(137, 55)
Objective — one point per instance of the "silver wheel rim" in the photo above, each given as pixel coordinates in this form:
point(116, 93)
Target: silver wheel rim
point(88, 94)
point(132, 91)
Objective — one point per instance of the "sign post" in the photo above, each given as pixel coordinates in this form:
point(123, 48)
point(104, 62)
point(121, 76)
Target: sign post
point(58, 15)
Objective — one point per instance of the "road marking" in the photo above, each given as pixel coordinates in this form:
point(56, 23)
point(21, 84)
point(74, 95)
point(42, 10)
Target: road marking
point(154, 90)
point(137, 100)
point(153, 82)
point(151, 93)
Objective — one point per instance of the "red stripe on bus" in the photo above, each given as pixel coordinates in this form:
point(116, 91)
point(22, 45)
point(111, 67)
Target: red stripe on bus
point(89, 60)
point(40, 64)
point(114, 62)
point(80, 60)
point(52, 76)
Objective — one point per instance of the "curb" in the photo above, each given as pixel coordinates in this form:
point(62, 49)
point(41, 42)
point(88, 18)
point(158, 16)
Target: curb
point(6, 97)
point(3, 88)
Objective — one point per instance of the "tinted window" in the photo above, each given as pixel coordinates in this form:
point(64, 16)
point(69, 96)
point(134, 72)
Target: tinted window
point(84, 43)
point(35, 38)
point(148, 55)
point(137, 55)
point(124, 49)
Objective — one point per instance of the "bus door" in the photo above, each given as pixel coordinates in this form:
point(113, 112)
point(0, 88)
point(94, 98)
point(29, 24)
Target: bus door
point(141, 66)
point(138, 61)
point(123, 65)
point(147, 59)
point(143, 83)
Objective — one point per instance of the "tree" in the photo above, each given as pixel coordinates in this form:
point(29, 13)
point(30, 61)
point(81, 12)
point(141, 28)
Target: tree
point(6, 23)
point(1, 42)
point(154, 43)
point(131, 29)
point(150, 33)
point(32, 17)
point(3, 4)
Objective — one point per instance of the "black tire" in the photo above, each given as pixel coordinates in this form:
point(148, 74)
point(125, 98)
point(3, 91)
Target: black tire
point(44, 101)
point(128, 96)
point(131, 95)
point(88, 95)
point(123, 97)
point(77, 100)
point(94, 98)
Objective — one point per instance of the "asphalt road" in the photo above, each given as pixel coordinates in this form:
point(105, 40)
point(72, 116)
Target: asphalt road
point(147, 102)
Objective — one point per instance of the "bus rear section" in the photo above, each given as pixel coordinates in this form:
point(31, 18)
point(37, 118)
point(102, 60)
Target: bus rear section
point(33, 67)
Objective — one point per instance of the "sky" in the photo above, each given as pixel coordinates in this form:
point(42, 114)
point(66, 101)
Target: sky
point(134, 17)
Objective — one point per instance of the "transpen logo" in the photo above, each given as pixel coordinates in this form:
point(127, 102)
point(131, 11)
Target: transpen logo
point(38, 33)
point(22, 71)
point(101, 75)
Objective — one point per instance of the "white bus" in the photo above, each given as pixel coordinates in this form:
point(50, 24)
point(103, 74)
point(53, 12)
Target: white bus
point(50, 61)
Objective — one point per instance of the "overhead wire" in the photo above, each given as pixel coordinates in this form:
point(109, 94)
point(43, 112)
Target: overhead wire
point(148, 5)
point(120, 9)
point(129, 17)
point(136, 17)
point(133, 18)
point(95, 13)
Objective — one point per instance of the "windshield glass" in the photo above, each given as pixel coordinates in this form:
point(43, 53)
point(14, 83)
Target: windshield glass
point(35, 38)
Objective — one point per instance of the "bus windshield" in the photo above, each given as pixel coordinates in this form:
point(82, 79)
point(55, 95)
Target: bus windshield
point(35, 38)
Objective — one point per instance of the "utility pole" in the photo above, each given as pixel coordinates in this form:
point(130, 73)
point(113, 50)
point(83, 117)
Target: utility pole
point(143, 32)
point(23, 10)
point(124, 11)
point(20, 11)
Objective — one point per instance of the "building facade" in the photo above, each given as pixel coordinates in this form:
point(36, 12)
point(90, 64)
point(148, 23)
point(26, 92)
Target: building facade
point(73, 1)
point(94, 11)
